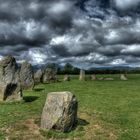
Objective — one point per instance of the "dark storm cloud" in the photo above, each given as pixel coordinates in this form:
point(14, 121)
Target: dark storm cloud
point(82, 32)
point(59, 14)
point(27, 33)
point(15, 10)
point(32, 23)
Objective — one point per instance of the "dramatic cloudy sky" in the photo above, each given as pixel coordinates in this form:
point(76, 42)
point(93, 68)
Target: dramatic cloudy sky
point(85, 33)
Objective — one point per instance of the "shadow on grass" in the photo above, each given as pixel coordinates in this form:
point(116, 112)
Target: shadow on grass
point(82, 122)
point(30, 98)
point(77, 131)
point(38, 89)
point(53, 82)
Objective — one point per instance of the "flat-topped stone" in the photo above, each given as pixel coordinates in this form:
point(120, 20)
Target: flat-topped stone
point(59, 112)
point(108, 79)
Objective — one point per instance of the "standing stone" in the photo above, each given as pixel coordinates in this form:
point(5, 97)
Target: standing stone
point(10, 89)
point(123, 77)
point(49, 76)
point(93, 77)
point(82, 75)
point(66, 78)
point(59, 112)
point(26, 76)
point(38, 76)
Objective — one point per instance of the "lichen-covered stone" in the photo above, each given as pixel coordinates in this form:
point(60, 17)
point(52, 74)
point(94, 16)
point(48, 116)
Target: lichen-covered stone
point(26, 76)
point(49, 76)
point(10, 89)
point(59, 112)
point(38, 76)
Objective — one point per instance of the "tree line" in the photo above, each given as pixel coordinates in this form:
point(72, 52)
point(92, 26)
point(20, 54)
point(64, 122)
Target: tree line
point(70, 69)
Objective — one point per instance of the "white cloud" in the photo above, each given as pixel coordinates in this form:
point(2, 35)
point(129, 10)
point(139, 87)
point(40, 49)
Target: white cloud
point(132, 49)
point(34, 6)
point(126, 4)
point(1, 57)
point(118, 62)
point(36, 56)
point(59, 8)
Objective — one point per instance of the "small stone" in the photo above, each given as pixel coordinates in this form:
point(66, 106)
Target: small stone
point(108, 79)
point(101, 78)
point(66, 78)
point(93, 77)
point(123, 77)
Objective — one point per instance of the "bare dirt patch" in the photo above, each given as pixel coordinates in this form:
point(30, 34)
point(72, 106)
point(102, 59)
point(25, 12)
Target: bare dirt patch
point(24, 130)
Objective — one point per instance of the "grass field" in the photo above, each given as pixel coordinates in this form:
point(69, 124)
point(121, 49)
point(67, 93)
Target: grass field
point(108, 110)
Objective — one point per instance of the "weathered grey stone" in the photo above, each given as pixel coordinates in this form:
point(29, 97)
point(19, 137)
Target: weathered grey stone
point(123, 77)
point(108, 79)
point(26, 76)
point(101, 78)
point(10, 89)
point(59, 112)
point(66, 78)
point(93, 77)
point(49, 76)
point(82, 75)
point(38, 76)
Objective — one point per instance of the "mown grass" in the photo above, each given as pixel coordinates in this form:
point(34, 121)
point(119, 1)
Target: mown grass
point(108, 110)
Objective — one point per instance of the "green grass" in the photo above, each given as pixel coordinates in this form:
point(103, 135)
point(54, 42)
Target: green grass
point(108, 110)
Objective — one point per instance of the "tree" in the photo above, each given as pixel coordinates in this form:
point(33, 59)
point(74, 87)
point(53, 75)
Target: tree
point(76, 70)
point(68, 68)
point(52, 66)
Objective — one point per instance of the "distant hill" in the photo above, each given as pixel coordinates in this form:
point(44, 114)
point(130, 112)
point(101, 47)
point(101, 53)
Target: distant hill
point(100, 69)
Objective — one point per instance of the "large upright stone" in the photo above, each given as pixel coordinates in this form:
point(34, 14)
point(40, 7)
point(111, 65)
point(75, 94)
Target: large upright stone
point(38, 76)
point(26, 76)
point(123, 77)
point(59, 112)
point(49, 76)
point(10, 89)
point(82, 75)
